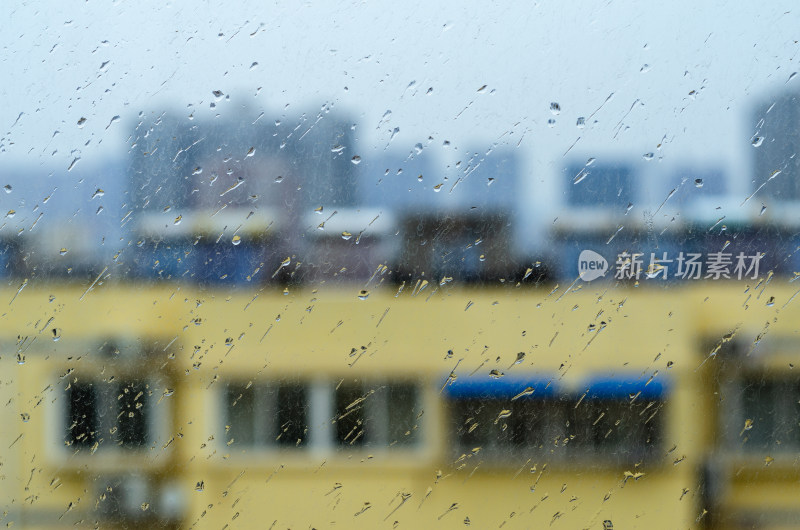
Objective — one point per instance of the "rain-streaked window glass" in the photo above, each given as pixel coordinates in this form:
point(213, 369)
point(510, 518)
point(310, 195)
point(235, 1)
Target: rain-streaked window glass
point(430, 265)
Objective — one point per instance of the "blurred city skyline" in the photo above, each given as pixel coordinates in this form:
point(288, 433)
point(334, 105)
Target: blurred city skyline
point(679, 87)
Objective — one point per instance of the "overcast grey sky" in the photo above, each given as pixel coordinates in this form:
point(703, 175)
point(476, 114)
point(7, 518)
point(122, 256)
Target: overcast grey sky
point(63, 61)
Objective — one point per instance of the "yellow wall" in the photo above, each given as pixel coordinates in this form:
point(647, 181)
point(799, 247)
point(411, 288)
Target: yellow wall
point(310, 333)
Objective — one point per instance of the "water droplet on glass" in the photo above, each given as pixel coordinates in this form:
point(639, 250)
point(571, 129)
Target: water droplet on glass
point(178, 219)
point(25, 417)
point(318, 209)
point(63, 251)
point(505, 413)
point(551, 122)
point(757, 141)
point(363, 294)
point(763, 209)
point(7, 188)
point(56, 334)
point(200, 486)
point(580, 123)
point(555, 108)
point(11, 213)
point(145, 506)
point(481, 89)
point(482, 257)
point(81, 122)
point(279, 179)
point(236, 240)
point(250, 152)
point(771, 301)
point(496, 374)
point(647, 156)
point(253, 65)
point(698, 183)
point(218, 94)
point(20, 358)
point(645, 68)
point(438, 188)
point(337, 148)
point(356, 160)
point(98, 193)
point(346, 235)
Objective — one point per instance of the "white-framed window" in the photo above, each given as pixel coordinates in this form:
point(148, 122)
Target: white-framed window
point(106, 415)
point(266, 414)
point(321, 415)
point(382, 415)
point(762, 413)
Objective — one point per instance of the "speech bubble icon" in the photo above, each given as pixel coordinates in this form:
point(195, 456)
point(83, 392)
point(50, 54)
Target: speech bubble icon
point(591, 265)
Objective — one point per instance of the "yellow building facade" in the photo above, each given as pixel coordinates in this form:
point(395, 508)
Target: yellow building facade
point(429, 405)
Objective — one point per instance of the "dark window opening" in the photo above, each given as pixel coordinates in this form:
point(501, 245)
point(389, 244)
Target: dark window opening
point(619, 429)
point(82, 429)
point(403, 414)
point(240, 401)
point(769, 410)
point(614, 430)
point(291, 415)
point(350, 414)
point(132, 415)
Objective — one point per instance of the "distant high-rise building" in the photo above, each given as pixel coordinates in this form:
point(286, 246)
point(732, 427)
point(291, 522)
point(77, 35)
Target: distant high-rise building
point(603, 185)
point(776, 139)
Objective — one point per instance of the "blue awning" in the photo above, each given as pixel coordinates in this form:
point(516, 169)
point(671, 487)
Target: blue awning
point(624, 388)
point(527, 387)
point(505, 387)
